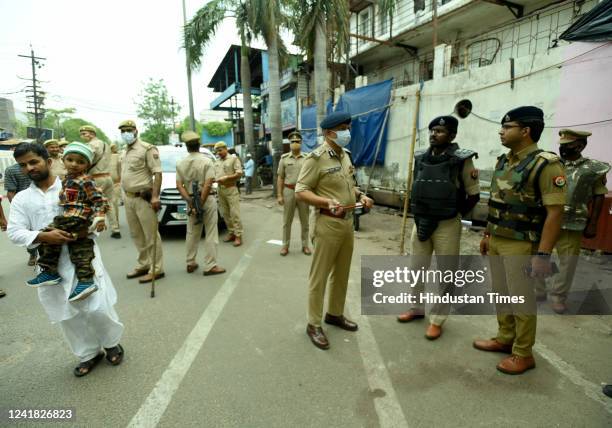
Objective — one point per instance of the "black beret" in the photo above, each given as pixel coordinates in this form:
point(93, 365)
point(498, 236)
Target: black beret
point(334, 119)
point(525, 113)
point(450, 122)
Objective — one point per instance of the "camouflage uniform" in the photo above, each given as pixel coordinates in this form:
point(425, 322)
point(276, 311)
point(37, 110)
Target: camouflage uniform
point(585, 180)
point(523, 184)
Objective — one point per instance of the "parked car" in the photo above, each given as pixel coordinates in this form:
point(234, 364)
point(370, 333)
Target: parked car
point(173, 210)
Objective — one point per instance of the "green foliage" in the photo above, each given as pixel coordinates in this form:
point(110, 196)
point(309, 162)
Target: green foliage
point(202, 27)
point(71, 129)
point(217, 129)
point(185, 125)
point(156, 111)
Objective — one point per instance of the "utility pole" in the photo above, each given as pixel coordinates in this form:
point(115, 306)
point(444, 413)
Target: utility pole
point(173, 114)
point(191, 115)
point(35, 97)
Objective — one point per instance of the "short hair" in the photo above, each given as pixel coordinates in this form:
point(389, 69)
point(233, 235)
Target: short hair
point(25, 148)
point(536, 127)
point(193, 145)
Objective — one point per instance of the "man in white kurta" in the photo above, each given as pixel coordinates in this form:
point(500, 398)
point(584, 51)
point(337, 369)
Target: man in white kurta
point(88, 325)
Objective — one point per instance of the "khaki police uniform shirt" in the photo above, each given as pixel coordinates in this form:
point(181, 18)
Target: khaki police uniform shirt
point(289, 167)
point(102, 157)
point(58, 168)
point(228, 166)
point(552, 178)
point(195, 167)
point(327, 174)
point(138, 164)
point(115, 167)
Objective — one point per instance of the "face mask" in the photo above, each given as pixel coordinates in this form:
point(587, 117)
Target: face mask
point(343, 138)
point(128, 137)
point(568, 152)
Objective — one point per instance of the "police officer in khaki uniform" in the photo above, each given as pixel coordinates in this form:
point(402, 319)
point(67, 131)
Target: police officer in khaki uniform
point(57, 162)
point(100, 167)
point(444, 189)
point(228, 171)
point(288, 171)
point(524, 222)
point(62, 144)
point(199, 169)
point(586, 183)
point(326, 182)
point(115, 172)
point(139, 164)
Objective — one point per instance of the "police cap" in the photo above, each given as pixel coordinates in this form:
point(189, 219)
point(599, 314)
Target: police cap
point(334, 119)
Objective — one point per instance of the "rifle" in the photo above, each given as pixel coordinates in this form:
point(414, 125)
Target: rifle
point(196, 202)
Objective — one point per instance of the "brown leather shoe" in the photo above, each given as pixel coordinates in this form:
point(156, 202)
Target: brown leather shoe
point(192, 268)
point(492, 345)
point(217, 270)
point(149, 277)
point(340, 321)
point(515, 364)
point(306, 251)
point(433, 332)
point(284, 251)
point(410, 316)
point(229, 238)
point(317, 336)
point(237, 241)
point(136, 273)
point(559, 307)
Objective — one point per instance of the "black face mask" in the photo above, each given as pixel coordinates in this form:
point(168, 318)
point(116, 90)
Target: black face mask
point(568, 152)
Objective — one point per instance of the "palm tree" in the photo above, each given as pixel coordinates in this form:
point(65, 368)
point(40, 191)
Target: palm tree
point(266, 18)
point(314, 21)
point(202, 28)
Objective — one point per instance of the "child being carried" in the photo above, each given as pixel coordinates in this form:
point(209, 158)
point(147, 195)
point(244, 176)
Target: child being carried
point(83, 206)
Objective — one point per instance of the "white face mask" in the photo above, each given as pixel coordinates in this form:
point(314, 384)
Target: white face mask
point(128, 137)
point(343, 138)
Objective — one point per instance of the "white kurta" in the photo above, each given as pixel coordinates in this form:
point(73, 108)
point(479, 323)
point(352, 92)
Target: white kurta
point(90, 324)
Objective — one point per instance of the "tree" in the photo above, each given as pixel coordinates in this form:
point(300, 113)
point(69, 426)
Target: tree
point(155, 109)
point(217, 129)
point(202, 28)
point(67, 128)
point(54, 119)
point(265, 19)
point(313, 21)
point(185, 125)
point(71, 129)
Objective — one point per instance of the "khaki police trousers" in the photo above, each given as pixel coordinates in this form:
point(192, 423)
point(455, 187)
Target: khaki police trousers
point(289, 207)
point(194, 234)
point(331, 260)
point(516, 322)
point(444, 242)
point(142, 220)
point(114, 214)
point(229, 204)
point(568, 249)
point(106, 185)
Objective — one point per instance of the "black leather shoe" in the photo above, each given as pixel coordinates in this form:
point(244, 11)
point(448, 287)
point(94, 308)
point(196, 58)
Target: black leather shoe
point(317, 336)
point(116, 235)
point(340, 321)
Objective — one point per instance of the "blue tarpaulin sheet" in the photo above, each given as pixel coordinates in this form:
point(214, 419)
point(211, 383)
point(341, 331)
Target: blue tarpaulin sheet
point(368, 106)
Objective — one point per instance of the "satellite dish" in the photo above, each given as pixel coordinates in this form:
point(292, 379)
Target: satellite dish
point(463, 108)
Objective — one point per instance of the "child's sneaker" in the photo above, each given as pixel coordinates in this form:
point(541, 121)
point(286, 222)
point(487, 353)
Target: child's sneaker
point(82, 291)
point(44, 278)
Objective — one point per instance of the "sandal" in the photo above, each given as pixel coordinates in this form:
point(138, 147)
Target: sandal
point(89, 365)
point(114, 355)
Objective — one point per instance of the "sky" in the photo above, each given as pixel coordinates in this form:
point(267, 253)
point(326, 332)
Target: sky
point(99, 54)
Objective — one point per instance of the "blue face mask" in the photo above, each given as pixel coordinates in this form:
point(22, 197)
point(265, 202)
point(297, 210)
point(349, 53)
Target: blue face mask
point(343, 138)
point(128, 137)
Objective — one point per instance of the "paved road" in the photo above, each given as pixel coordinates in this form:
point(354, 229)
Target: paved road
point(231, 351)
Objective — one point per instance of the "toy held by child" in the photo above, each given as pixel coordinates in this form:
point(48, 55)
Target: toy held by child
point(84, 207)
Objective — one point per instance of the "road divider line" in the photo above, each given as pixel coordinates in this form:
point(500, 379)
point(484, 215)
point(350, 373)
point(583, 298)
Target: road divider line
point(154, 407)
point(388, 408)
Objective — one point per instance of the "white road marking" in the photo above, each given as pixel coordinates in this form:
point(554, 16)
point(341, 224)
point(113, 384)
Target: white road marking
point(274, 242)
point(388, 408)
point(591, 389)
point(160, 397)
